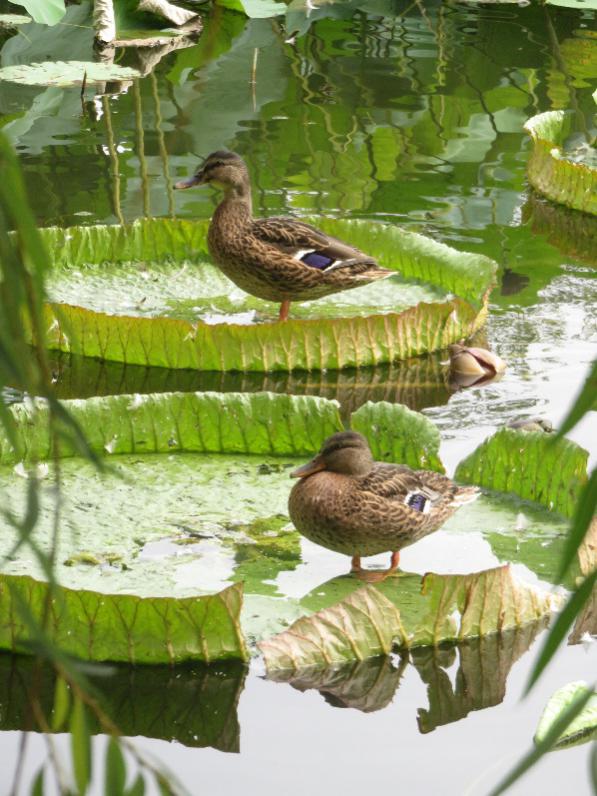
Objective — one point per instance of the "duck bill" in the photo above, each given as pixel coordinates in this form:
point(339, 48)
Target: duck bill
point(314, 466)
point(196, 179)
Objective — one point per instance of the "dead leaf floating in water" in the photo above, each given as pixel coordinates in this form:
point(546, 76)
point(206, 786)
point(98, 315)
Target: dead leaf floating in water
point(473, 366)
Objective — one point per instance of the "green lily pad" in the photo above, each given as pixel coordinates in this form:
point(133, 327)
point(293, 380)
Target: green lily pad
point(195, 705)
point(581, 729)
point(124, 627)
point(530, 465)
point(397, 434)
point(66, 73)
point(550, 173)
point(445, 608)
point(440, 295)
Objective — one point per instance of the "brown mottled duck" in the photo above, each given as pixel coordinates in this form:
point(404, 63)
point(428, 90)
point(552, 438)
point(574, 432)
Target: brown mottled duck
point(279, 258)
point(349, 503)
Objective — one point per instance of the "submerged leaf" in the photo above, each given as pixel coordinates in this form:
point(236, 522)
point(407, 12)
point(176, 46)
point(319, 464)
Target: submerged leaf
point(123, 627)
point(531, 465)
point(582, 728)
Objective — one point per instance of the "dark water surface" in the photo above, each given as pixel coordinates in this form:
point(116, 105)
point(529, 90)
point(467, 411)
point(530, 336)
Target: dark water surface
point(410, 113)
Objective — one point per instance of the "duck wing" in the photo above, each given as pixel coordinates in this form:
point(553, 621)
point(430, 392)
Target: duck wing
point(312, 247)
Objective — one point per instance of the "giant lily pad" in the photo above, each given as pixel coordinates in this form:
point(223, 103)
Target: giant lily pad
point(66, 73)
point(550, 173)
point(447, 608)
point(124, 627)
point(442, 295)
point(530, 465)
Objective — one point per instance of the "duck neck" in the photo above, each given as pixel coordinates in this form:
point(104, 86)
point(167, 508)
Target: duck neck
point(236, 206)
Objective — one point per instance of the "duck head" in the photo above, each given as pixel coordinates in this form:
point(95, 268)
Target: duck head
point(346, 452)
point(224, 169)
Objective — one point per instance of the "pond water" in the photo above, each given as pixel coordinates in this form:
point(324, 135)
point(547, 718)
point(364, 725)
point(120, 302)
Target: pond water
point(409, 113)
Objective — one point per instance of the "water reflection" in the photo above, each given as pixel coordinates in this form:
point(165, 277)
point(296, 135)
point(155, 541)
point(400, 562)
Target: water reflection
point(418, 382)
point(459, 679)
point(572, 232)
point(193, 705)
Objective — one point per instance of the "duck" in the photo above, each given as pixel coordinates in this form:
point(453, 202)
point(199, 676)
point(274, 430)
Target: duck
point(347, 502)
point(279, 258)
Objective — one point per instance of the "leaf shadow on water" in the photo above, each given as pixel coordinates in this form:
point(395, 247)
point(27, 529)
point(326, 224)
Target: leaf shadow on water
point(483, 666)
point(194, 705)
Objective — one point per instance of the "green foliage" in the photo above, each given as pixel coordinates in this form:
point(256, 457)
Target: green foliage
point(530, 465)
point(48, 12)
point(582, 729)
point(123, 627)
point(66, 73)
point(396, 434)
point(561, 180)
point(80, 746)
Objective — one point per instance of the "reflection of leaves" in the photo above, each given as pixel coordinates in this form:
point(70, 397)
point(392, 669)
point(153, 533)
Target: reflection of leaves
point(65, 73)
point(530, 465)
point(195, 706)
point(574, 234)
point(47, 12)
point(123, 627)
point(416, 383)
point(364, 685)
point(484, 666)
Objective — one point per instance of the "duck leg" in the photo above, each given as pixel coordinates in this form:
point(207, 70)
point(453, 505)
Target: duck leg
point(375, 575)
point(284, 310)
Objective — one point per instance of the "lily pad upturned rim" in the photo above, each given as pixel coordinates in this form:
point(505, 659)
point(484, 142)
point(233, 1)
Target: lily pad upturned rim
point(294, 345)
point(561, 180)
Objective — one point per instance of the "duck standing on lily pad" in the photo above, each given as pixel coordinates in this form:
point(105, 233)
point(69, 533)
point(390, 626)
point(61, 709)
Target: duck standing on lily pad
point(349, 503)
point(279, 258)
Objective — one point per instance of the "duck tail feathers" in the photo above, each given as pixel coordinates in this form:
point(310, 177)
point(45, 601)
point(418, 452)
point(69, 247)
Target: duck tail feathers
point(465, 494)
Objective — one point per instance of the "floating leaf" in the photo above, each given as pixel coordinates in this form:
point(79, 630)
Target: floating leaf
point(531, 465)
point(561, 180)
point(582, 728)
point(298, 344)
point(443, 608)
point(168, 422)
point(123, 627)
point(363, 625)
point(396, 434)
point(66, 73)
point(13, 20)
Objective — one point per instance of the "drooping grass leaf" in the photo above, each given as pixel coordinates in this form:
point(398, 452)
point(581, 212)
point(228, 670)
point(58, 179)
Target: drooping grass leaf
point(62, 704)
point(309, 344)
point(561, 180)
point(396, 434)
point(66, 73)
point(530, 465)
point(585, 401)
point(551, 737)
point(561, 626)
point(582, 729)
point(123, 627)
point(259, 423)
point(584, 515)
point(115, 769)
point(80, 746)
point(445, 608)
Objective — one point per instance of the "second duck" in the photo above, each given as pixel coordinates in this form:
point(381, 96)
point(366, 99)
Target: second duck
point(280, 258)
